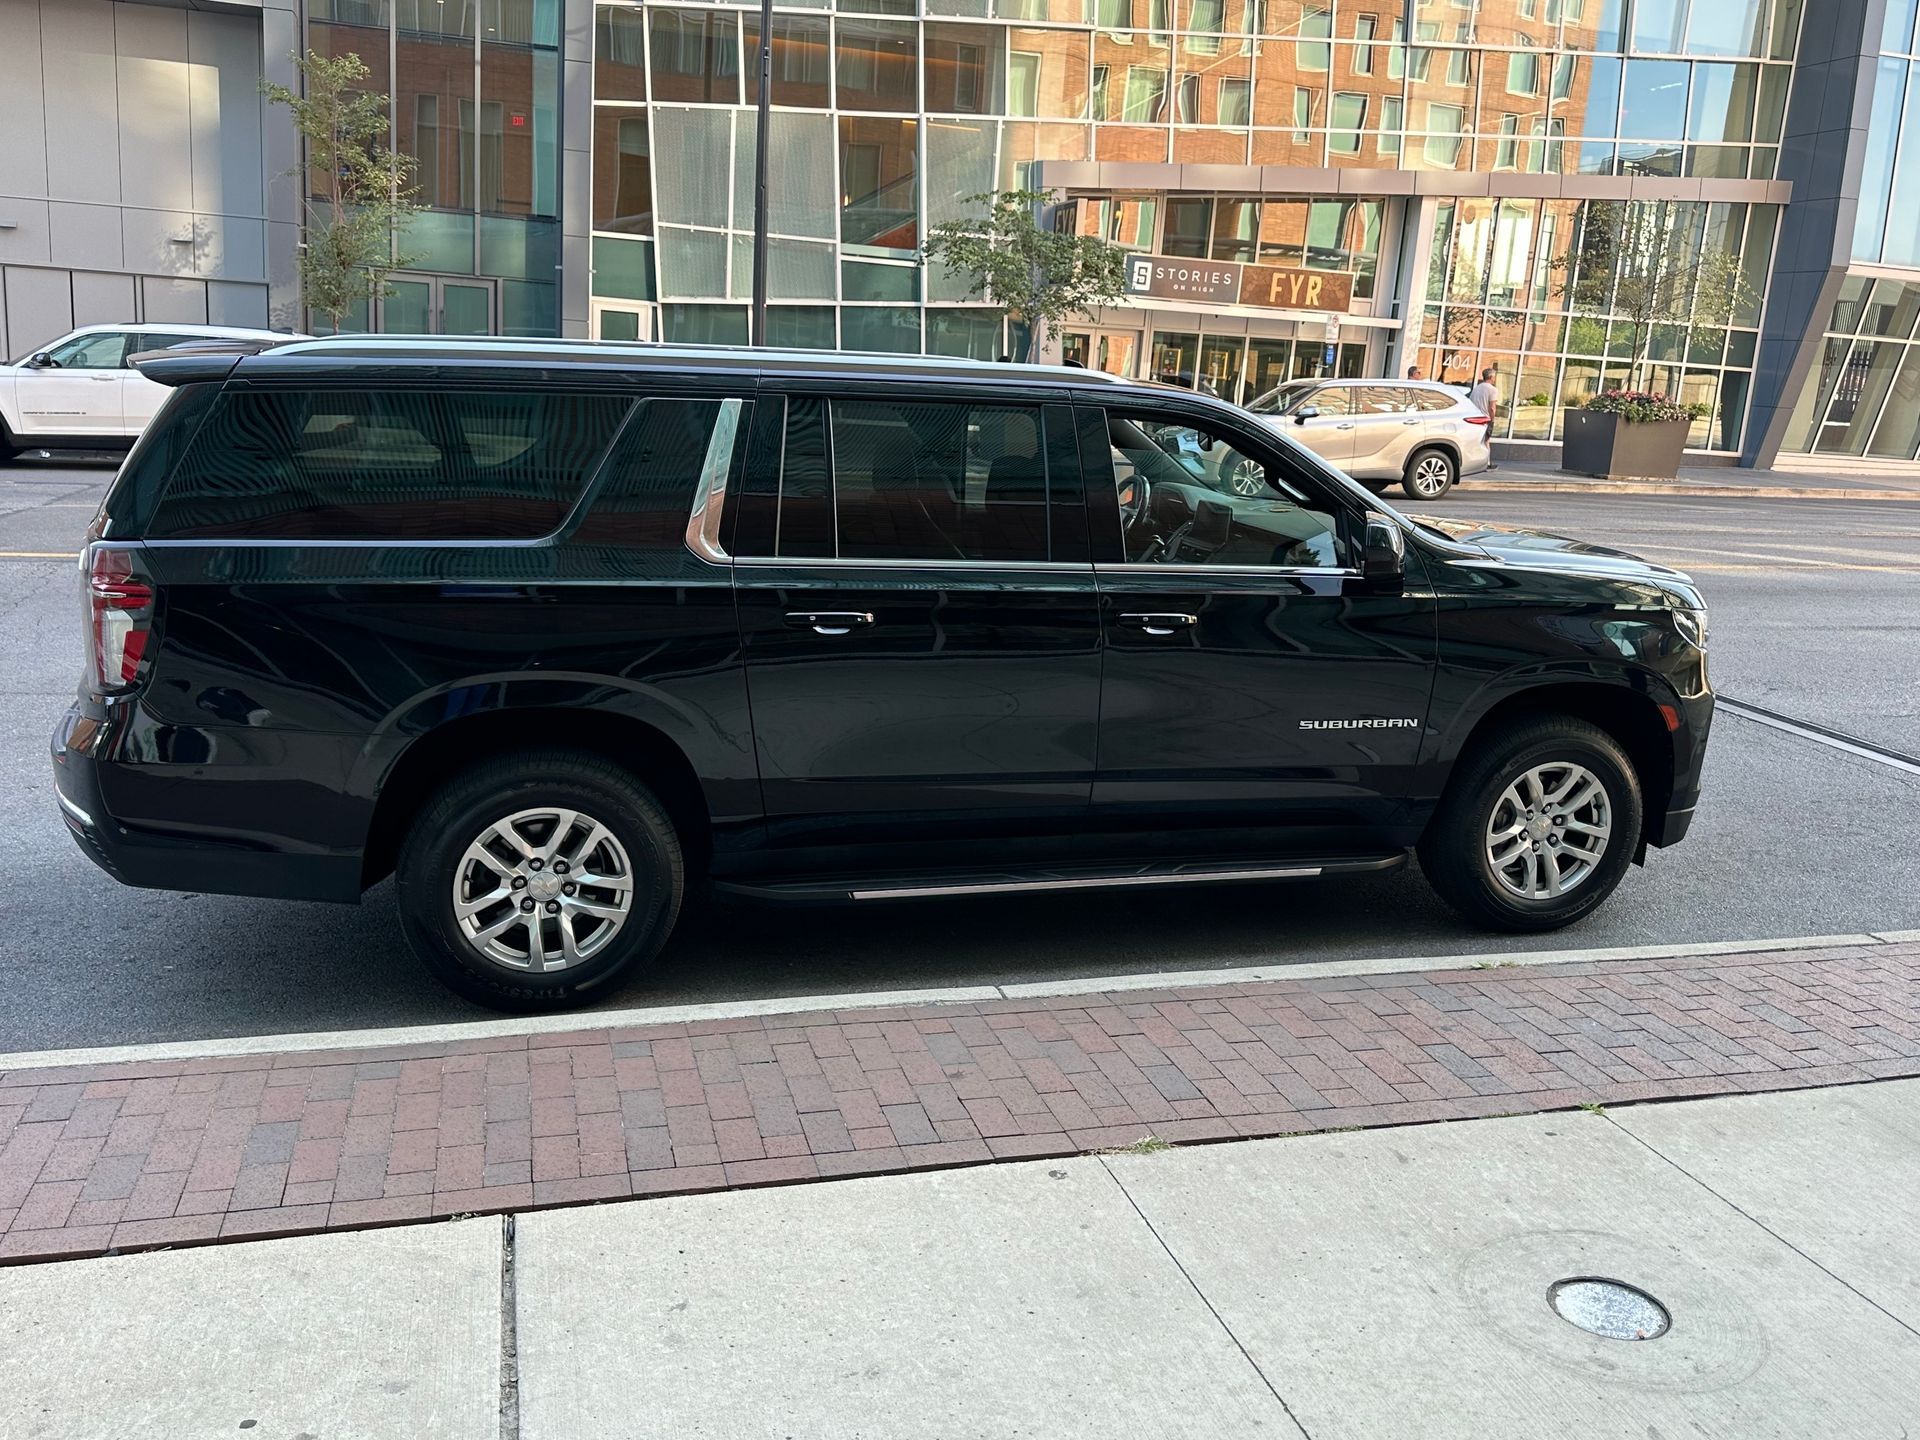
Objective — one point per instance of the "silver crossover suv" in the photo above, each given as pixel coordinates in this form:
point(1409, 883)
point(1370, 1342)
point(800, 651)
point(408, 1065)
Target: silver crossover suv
point(1422, 434)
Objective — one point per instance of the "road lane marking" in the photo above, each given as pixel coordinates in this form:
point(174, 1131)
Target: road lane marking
point(447, 1034)
point(39, 554)
point(1833, 739)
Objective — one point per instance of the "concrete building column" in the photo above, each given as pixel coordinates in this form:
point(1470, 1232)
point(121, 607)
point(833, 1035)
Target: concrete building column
point(1822, 154)
point(576, 168)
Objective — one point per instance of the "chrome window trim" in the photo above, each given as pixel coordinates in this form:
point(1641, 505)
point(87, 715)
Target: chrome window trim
point(710, 493)
point(828, 562)
point(1149, 568)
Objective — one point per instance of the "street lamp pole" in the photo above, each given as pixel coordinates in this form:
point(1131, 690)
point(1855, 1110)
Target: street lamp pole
point(762, 124)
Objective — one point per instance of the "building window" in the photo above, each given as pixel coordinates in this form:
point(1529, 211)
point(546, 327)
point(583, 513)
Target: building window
point(1146, 94)
point(1392, 122)
point(1302, 113)
point(1236, 102)
point(1449, 123)
point(1523, 73)
point(1349, 118)
point(1187, 101)
point(1365, 29)
point(1316, 28)
point(1505, 152)
point(1189, 224)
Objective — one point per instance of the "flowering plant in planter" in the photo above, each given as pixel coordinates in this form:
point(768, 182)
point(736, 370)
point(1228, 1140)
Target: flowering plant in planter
point(1641, 407)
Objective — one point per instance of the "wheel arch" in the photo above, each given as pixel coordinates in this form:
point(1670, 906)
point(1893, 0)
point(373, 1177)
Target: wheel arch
point(1632, 717)
point(433, 758)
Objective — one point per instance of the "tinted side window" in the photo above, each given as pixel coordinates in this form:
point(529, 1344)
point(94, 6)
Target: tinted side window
point(1187, 498)
point(1434, 400)
point(100, 351)
point(1384, 400)
point(902, 480)
point(1333, 399)
point(646, 496)
point(939, 482)
point(388, 464)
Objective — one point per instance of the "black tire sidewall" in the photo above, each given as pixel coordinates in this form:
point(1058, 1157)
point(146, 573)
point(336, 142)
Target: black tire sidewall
point(441, 834)
point(1453, 853)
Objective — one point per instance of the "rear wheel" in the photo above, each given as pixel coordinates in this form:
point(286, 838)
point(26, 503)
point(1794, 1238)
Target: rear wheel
point(1429, 475)
point(535, 881)
point(1537, 827)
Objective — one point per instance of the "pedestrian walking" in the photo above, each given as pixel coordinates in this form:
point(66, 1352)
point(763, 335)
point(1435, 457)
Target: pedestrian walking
point(1414, 372)
point(1486, 396)
point(1486, 393)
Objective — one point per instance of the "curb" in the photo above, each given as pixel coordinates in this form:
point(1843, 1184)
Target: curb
point(568, 1022)
point(1652, 487)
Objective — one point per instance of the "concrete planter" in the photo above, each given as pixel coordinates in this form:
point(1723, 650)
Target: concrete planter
point(1610, 447)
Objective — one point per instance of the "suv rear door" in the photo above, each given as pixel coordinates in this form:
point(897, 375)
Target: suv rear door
point(1387, 427)
point(918, 613)
point(1252, 678)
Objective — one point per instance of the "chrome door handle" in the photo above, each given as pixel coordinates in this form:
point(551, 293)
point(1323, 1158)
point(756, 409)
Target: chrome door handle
point(103, 377)
point(828, 622)
point(1410, 422)
point(1160, 624)
point(1347, 426)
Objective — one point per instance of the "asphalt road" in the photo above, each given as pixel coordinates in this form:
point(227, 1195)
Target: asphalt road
point(1816, 613)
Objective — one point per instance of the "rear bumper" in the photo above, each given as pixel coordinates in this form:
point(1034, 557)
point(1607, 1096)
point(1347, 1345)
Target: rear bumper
point(98, 791)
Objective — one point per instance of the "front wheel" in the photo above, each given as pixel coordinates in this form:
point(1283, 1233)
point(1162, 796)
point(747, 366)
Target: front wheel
point(1537, 827)
point(1430, 474)
point(534, 881)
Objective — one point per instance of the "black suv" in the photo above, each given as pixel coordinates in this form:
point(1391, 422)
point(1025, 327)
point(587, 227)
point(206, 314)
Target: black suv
point(551, 632)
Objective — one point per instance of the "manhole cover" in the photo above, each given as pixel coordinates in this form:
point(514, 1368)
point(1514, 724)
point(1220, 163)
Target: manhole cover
point(1610, 1309)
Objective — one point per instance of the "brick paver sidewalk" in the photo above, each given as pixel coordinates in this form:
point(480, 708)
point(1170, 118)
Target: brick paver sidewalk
point(177, 1152)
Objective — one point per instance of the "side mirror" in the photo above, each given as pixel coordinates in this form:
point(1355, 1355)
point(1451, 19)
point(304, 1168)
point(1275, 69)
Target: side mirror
point(40, 360)
point(1306, 413)
point(1205, 442)
point(1383, 558)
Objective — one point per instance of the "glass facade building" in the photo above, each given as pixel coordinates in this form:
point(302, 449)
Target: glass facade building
point(1310, 186)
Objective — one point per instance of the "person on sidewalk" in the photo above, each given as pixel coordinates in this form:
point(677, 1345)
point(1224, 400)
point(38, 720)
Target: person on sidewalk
point(1486, 395)
point(1414, 372)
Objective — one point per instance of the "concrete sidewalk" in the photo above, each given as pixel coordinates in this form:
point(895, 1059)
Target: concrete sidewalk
point(1818, 478)
point(1387, 1283)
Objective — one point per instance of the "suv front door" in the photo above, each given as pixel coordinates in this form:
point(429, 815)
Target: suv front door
point(1323, 422)
point(918, 615)
point(79, 392)
point(1252, 679)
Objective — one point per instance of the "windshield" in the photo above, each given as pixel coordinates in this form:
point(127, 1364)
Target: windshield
point(1279, 401)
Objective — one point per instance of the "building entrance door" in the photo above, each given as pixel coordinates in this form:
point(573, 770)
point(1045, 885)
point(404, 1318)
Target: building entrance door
point(440, 305)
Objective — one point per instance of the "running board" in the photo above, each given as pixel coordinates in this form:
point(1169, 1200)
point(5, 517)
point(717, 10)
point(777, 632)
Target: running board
point(1040, 881)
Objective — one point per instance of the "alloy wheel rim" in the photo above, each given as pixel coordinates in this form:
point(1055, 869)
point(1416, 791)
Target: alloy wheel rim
point(1430, 476)
point(1248, 479)
point(1549, 830)
point(542, 890)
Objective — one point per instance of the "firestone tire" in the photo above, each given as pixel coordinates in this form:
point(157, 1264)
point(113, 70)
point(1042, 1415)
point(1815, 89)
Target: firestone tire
point(491, 842)
point(1490, 844)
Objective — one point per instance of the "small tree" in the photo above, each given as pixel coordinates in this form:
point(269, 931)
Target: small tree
point(1037, 276)
point(361, 194)
point(1635, 264)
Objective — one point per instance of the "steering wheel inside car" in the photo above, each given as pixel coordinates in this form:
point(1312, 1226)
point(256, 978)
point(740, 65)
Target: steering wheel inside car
point(1135, 496)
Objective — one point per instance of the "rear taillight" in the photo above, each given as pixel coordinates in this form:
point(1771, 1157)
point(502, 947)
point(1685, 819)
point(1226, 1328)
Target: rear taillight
point(1478, 419)
point(119, 617)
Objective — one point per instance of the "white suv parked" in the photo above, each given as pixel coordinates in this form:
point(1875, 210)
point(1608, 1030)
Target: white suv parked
point(79, 393)
point(1423, 434)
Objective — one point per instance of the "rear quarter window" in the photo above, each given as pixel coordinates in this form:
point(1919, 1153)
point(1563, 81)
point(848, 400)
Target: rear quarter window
point(387, 464)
